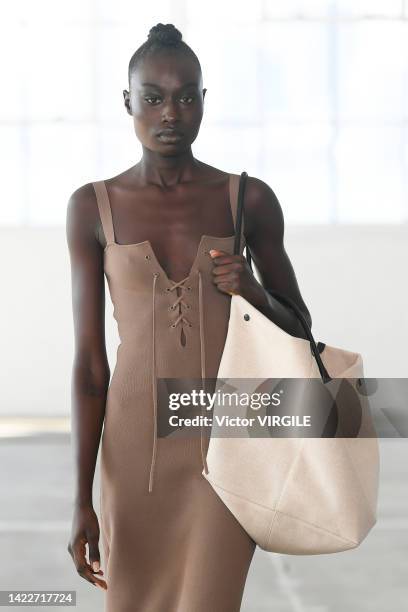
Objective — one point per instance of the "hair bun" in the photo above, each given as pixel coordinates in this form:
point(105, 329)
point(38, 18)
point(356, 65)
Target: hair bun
point(167, 33)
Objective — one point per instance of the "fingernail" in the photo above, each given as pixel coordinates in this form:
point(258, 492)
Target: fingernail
point(213, 252)
point(95, 566)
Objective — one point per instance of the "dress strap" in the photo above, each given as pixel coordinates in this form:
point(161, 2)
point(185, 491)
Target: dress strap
point(233, 194)
point(105, 211)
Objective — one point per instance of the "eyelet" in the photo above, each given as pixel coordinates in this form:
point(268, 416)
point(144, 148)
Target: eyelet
point(156, 274)
point(173, 325)
point(190, 325)
point(188, 306)
point(147, 256)
point(167, 288)
point(189, 288)
point(206, 252)
point(246, 317)
point(171, 307)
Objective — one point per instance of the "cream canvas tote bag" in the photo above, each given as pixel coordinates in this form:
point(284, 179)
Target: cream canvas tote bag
point(294, 495)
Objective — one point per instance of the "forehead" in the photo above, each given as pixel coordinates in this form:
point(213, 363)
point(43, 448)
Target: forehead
point(170, 70)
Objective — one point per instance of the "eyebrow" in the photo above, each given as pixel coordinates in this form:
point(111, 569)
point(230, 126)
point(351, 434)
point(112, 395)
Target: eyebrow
point(158, 86)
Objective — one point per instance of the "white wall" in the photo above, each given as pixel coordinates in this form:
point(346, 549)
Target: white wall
point(353, 279)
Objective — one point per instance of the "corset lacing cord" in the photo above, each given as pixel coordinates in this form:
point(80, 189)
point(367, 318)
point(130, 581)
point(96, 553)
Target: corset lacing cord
point(202, 358)
point(202, 348)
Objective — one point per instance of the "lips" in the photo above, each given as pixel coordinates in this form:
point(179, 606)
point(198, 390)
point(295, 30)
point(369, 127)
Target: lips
point(170, 132)
point(169, 136)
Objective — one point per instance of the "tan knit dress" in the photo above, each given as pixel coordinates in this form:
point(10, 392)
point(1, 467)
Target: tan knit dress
point(169, 543)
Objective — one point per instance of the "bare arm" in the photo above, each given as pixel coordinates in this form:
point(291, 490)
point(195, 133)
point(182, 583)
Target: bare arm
point(90, 373)
point(266, 243)
point(264, 232)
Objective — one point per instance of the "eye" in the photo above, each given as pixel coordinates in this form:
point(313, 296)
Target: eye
point(191, 98)
point(147, 98)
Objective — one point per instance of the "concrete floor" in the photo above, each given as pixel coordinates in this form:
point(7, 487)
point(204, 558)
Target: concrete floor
point(35, 516)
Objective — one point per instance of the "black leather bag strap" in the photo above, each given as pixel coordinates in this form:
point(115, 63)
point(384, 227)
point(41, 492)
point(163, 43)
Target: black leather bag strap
point(240, 208)
point(284, 299)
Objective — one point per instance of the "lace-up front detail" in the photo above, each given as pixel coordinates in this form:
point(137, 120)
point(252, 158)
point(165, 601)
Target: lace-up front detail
point(180, 300)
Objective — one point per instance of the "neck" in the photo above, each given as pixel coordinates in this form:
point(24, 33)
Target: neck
point(166, 170)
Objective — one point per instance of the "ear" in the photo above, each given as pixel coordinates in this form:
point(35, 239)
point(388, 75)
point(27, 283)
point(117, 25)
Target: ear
point(126, 98)
point(204, 92)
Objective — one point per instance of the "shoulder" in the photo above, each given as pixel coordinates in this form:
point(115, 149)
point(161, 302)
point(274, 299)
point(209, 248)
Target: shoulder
point(82, 216)
point(261, 206)
point(82, 200)
point(259, 195)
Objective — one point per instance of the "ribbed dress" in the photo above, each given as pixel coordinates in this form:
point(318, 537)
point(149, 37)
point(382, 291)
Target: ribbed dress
point(169, 544)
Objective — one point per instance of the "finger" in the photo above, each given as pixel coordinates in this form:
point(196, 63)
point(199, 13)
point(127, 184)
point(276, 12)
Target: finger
point(227, 268)
point(82, 566)
point(226, 288)
point(229, 278)
point(85, 571)
point(220, 256)
point(100, 584)
point(227, 284)
point(94, 556)
point(79, 556)
point(95, 559)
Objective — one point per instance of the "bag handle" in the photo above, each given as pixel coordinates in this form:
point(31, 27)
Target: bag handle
point(279, 296)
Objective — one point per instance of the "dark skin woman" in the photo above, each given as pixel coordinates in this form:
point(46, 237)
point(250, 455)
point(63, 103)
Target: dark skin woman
point(170, 198)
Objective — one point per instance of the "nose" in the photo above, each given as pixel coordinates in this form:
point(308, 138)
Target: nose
point(170, 112)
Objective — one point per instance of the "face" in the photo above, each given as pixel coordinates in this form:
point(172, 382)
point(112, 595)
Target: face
point(166, 94)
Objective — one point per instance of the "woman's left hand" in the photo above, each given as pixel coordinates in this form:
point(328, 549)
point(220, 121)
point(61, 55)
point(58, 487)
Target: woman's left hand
point(232, 275)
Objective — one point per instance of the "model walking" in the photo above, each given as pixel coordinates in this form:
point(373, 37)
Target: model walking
point(162, 232)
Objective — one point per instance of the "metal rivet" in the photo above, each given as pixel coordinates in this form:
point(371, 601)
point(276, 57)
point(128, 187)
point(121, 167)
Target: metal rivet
point(246, 317)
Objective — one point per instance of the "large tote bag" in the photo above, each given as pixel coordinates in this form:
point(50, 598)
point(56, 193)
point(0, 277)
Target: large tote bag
point(295, 495)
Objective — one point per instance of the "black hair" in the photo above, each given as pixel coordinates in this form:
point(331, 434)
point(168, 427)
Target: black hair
point(161, 37)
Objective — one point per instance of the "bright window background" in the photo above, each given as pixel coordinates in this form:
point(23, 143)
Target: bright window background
point(309, 95)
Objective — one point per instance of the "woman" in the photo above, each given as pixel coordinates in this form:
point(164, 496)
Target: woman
point(162, 232)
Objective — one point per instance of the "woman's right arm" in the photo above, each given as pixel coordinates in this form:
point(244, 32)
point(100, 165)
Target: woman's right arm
point(90, 373)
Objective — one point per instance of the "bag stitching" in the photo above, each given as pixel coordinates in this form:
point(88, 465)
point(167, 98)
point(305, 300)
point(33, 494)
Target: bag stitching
point(332, 533)
point(282, 513)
